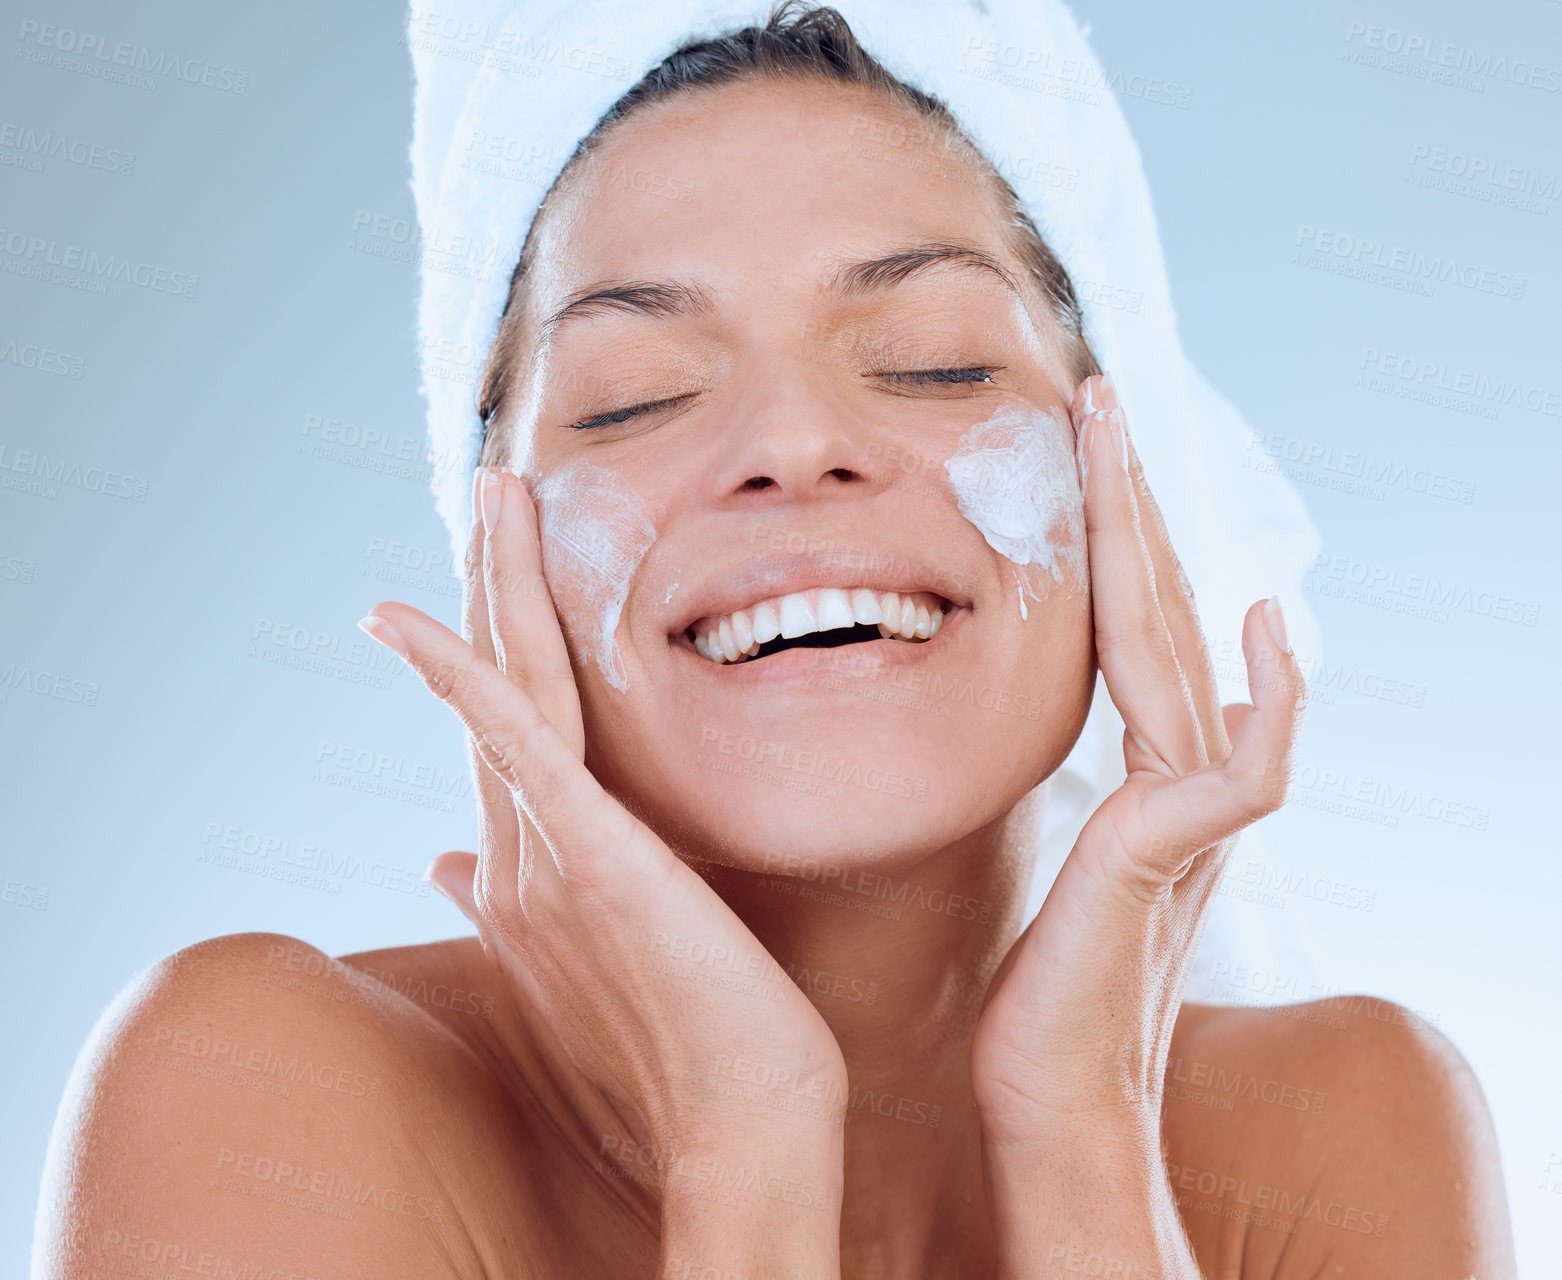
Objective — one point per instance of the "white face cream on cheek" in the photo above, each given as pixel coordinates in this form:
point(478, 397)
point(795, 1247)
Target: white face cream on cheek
point(595, 532)
point(1016, 480)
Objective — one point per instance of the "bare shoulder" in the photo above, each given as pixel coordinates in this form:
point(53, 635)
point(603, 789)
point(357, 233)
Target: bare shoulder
point(248, 1106)
point(1340, 1137)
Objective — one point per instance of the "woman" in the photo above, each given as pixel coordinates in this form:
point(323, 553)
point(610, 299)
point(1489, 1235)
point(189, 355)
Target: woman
point(759, 715)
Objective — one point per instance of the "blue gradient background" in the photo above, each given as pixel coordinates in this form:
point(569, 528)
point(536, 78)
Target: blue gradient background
point(167, 606)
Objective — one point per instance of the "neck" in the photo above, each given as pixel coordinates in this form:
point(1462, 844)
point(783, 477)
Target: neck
point(898, 964)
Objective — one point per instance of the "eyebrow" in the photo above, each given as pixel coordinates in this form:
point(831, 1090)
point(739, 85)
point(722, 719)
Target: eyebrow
point(850, 278)
point(663, 298)
point(877, 275)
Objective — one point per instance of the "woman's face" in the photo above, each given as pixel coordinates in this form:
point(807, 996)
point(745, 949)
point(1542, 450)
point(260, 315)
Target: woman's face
point(784, 260)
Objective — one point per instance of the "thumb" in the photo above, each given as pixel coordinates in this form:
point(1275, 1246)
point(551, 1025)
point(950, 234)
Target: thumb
point(453, 874)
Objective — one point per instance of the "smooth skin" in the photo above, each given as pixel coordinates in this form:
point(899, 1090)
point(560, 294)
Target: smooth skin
point(638, 1068)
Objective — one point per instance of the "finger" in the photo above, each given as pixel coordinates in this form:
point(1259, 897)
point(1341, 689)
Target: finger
point(499, 834)
point(1133, 644)
point(1202, 809)
point(594, 840)
point(1233, 716)
point(528, 641)
point(454, 874)
point(1174, 592)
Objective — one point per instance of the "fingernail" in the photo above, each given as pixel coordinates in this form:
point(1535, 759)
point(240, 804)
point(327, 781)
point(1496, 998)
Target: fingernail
point(1274, 619)
point(1100, 401)
point(1087, 401)
point(519, 482)
point(1082, 452)
point(492, 498)
point(1099, 395)
point(477, 496)
point(376, 628)
point(1112, 405)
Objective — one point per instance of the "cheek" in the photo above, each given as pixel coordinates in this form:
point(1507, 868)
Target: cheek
point(1015, 478)
point(595, 532)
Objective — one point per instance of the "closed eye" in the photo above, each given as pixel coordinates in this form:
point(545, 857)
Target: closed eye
point(624, 414)
point(910, 377)
point(924, 377)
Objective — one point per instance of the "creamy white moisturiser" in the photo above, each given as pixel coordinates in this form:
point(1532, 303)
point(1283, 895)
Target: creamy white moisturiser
point(595, 532)
point(1016, 480)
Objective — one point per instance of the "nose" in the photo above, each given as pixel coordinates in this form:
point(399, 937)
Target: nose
point(791, 436)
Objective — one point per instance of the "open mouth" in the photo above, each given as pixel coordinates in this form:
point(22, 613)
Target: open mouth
point(822, 618)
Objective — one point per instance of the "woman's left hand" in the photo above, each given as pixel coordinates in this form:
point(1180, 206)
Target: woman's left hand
point(1070, 1051)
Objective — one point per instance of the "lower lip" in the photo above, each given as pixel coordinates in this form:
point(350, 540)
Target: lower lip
point(806, 664)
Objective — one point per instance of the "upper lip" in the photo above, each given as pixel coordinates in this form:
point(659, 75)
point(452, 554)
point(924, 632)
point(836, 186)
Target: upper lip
point(770, 574)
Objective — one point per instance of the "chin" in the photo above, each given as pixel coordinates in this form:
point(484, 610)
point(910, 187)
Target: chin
point(835, 763)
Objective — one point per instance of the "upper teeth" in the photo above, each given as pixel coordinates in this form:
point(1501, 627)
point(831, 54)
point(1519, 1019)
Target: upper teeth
point(903, 615)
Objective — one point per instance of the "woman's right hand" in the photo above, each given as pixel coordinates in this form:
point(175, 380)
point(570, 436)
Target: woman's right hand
point(661, 996)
